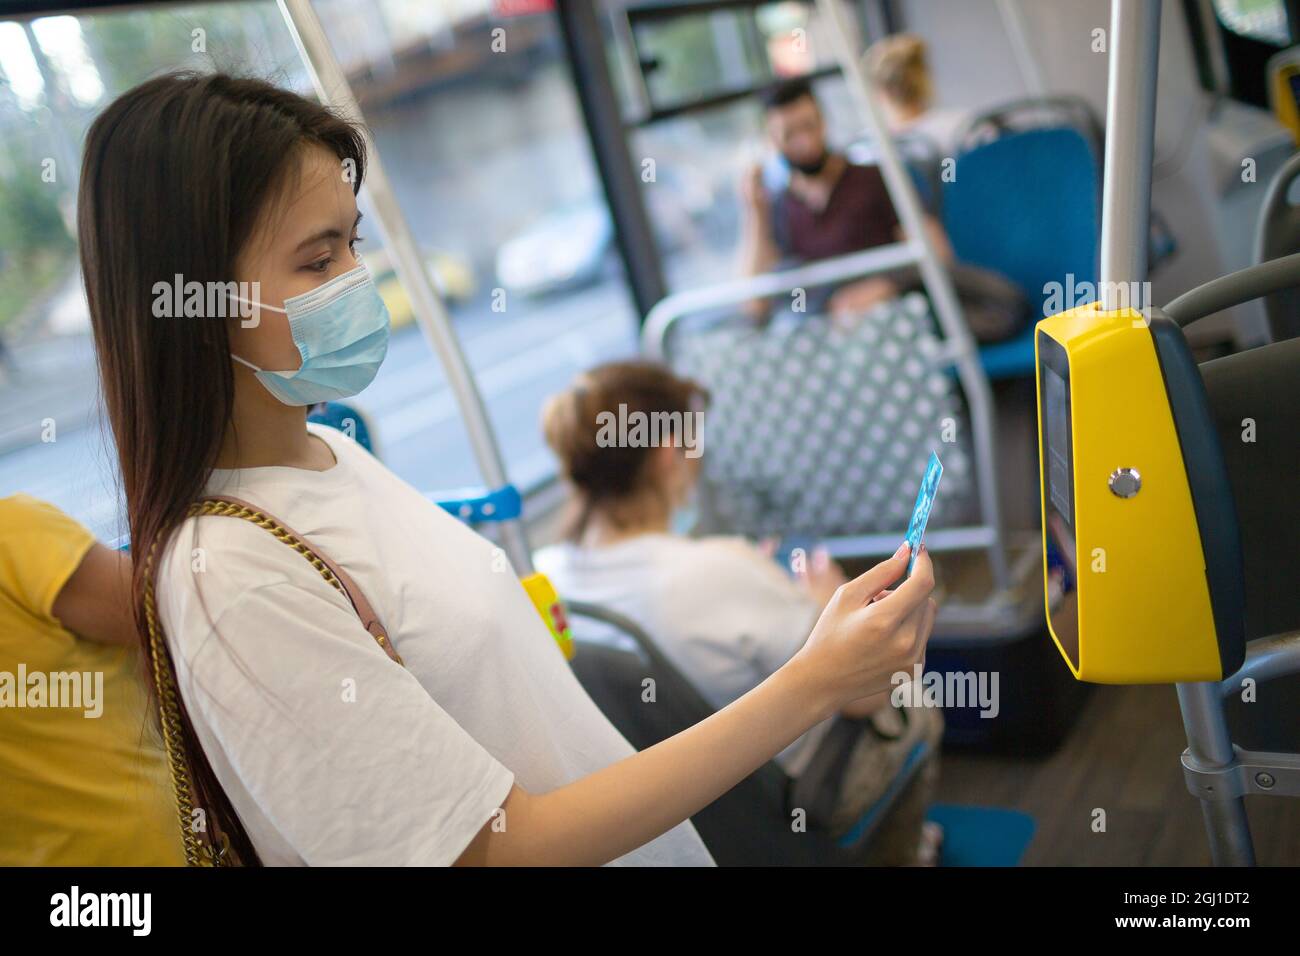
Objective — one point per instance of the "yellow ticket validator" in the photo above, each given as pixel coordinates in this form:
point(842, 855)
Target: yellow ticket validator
point(1142, 553)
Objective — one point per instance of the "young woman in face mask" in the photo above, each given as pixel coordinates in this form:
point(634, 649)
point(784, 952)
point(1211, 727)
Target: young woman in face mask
point(429, 717)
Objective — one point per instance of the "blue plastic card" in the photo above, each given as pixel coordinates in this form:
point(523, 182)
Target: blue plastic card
point(924, 502)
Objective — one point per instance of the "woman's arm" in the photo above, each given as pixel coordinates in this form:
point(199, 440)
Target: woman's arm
point(95, 603)
point(857, 645)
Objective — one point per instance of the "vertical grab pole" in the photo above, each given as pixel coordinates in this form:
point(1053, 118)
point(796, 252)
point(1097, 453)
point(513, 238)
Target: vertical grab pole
point(333, 89)
point(1209, 747)
point(902, 193)
point(1017, 30)
point(1130, 137)
point(1125, 225)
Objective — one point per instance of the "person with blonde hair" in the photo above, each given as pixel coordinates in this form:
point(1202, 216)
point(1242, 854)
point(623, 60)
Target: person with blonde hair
point(900, 70)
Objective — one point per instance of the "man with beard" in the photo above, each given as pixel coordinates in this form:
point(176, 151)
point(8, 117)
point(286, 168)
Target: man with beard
point(831, 207)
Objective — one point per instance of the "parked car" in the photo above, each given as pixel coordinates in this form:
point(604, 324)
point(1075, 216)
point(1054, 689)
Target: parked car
point(452, 274)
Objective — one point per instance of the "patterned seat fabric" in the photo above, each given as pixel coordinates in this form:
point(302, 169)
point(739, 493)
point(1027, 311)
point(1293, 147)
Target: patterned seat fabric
point(819, 431)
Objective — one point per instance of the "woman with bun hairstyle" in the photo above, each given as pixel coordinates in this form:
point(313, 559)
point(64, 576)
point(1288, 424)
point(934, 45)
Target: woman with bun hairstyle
point(719, 607)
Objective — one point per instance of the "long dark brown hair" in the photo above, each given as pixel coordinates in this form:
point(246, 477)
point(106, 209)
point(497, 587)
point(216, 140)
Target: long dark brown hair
point(177, 175)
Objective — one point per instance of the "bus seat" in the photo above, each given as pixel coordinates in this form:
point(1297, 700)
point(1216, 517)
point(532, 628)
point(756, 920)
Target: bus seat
point(1277, 235)
point(821, 432)
point(928, 185)
point(472, 505)
point(1026, 205)
point(751, 824)
point(1054, 112)
point(1034, 112)
point(348, 419)
point(477, 506)
point(1009, 359)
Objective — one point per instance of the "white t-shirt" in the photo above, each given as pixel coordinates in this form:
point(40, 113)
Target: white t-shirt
point(940, 126)
point(330, 752)
point(722, 611)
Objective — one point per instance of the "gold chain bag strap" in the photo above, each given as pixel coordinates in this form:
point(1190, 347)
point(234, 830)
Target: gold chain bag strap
point(214, 850)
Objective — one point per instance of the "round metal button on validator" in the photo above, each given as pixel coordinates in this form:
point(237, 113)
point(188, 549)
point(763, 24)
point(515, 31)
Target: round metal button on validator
point(1125, 482)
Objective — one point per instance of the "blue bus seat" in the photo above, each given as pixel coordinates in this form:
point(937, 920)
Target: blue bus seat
point(345, 417)
point(479, 505)
point(1009, 359)
point(1026, 205)
point(348, 419)
point(472, 505)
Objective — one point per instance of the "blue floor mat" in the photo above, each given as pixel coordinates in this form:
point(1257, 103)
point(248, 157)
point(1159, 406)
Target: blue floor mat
point(982, 836)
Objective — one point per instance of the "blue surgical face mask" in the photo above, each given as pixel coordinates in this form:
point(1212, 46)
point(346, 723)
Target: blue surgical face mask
point(341, 331)
point(687, 514)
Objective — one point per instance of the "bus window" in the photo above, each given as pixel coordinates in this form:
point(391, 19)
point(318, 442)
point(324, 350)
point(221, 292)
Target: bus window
point(1263, 20)
point(689, 83)
point(58, 73)
point(481, 132)
point(699, 158)
point(488, 182)
point(699, 125)
point(690, 57)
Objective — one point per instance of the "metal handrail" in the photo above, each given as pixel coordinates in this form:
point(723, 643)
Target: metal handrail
point(1130, 138)
point(855, 265)
point(333, 88)
point(917, 250)
point(938, 284)
point(659, 324)
point(1244, 285)
point(1266, 659)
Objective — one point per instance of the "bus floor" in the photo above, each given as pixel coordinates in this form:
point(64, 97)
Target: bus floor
point(1122, 757)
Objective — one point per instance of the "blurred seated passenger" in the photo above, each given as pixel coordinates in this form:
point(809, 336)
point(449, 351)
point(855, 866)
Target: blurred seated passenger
point(830, 207)
point(900, 72)
point(721, 609)
point(85, 781)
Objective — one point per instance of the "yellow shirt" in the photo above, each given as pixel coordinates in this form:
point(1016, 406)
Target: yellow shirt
point(75, 789)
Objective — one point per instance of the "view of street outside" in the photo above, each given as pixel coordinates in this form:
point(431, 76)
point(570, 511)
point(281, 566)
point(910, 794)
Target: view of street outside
point(486, 149)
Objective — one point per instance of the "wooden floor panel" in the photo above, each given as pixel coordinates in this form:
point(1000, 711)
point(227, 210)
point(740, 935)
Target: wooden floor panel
point(1123, 758)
